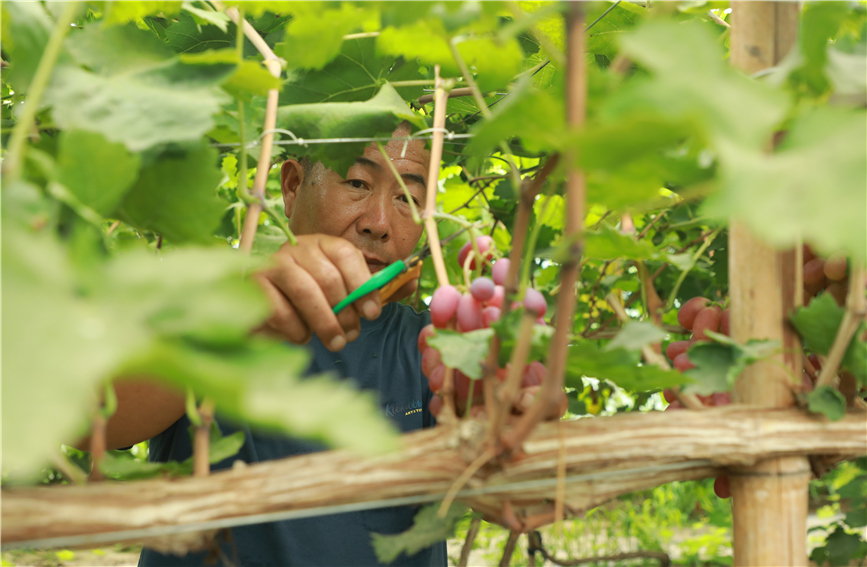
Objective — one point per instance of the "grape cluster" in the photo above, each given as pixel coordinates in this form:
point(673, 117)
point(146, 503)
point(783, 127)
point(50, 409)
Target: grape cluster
point(478, 308)
point(821, 274)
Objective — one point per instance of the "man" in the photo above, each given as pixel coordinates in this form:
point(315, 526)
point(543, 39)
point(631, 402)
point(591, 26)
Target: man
point(347, 228)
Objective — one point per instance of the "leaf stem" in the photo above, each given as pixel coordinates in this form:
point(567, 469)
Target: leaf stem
point(852, 318)
point(430, 224)
point(680, 279)
point(17, 141)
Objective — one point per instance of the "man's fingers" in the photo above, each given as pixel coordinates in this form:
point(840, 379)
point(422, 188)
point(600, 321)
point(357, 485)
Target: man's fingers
point(353, 269)
point(284, 320)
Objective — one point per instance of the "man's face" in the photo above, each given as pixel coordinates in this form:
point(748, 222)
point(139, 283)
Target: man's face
point(368, 206)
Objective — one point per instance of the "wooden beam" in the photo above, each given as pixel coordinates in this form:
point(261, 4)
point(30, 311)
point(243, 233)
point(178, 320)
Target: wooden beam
point(770, 498)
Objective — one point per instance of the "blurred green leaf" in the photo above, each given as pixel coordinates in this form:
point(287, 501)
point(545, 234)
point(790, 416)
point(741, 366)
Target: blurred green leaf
point(96, 171)
point(635, 335)
point(315, 33)
point(175, 197)
point(124, 12)
point(117, 50)
point(26, 29)
point(719, 363)
point(427, 529)
point(828, 401)
point(618, 365)
point(463, 351)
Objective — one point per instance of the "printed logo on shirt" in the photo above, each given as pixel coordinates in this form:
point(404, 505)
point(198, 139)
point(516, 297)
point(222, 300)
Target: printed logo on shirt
point(392, 410)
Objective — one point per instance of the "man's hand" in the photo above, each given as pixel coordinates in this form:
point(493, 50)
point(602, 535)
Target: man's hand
point(307, 280)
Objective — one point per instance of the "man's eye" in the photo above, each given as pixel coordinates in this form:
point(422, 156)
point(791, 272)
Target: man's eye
point(414, 200)
point(356, 183)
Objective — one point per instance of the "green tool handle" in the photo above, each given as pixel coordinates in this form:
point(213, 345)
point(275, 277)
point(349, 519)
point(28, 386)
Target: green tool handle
point(376, 281)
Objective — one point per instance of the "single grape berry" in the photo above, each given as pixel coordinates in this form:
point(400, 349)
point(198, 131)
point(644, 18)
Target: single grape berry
point(535, 302)
point(436, 378)
point(484, 243)
point(490, 315)
point(430, 359)
point(721, 487)
point(469, 314)
point(675, 348)
point(443, 305)
point(708, 319)
point(499, 271)
point(427, 331)
point(499, 296)
point(835, 267)
point(688, 311)
point(482, 289)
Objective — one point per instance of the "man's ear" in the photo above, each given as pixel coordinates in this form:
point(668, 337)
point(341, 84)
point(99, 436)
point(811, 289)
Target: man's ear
point(291, 178)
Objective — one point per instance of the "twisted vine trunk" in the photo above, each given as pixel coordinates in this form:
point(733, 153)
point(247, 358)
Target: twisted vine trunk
point(605, 457)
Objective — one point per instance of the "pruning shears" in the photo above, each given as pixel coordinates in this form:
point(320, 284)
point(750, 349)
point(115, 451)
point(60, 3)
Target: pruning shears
point(389, 279)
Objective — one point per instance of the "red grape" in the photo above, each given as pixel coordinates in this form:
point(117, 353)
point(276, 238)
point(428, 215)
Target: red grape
point(499, 296)
point(814, 272)
point(721, 398)
point(708, 319)
point(721, 487)
point(838, 291)
point(443, 305)
point(669, 395)
point(469, 314)
point(430, 359)
point(482, 289)
point(725, 322)
point(675, 348)
point(535, 302)
point(675, 405)
point(682, 363)
point(835, 267)
point(499, 271)
point(436, 378)
point(427, 331)
point(688, 311)
point(483, 242)
point(436, 405)
point(490, 315)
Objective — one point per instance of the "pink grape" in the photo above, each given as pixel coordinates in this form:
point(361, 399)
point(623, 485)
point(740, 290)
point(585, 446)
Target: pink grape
point(675, 348)
point(535, 301)
point(469, 314)
point(443, 305)
point(490, 315)
point(436, 378)
point(430, 359)
point(436, 405)
point(499, 271)
point(721, 398)
point(483, 242)
point(499, 296)
point(482, 289)
point(427, 331)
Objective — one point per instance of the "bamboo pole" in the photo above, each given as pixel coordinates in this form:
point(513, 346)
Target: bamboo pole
point(769, 498)
point(604, 458)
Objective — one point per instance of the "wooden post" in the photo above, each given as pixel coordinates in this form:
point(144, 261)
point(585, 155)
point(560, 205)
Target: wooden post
point(770, 498)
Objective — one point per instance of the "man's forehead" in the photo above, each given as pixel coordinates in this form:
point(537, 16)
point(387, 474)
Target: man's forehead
point(402, 147)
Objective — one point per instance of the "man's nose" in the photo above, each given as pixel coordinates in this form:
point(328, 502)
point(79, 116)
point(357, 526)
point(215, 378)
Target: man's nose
point(374, 220)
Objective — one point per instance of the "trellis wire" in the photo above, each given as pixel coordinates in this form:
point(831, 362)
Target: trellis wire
point(157, 531)
point(296, 141)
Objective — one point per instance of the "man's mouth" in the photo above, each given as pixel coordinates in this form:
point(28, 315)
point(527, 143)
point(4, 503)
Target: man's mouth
point(374, 264)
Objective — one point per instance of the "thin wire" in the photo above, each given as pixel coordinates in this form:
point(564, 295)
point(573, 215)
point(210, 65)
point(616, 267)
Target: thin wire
point(156, 531)
point(296, 141)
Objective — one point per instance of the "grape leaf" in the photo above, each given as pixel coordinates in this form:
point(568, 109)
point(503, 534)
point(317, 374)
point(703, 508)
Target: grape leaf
point(839, 549)
point(427, 529)
point(119, 49)
point(507, 329)
point(25, 33)
point(250, 77)
point(217, 19)
point(175, 197)
point(463, 351)
point(186, 36)
point(604, 35)
point(775, 194)
point(95, 170)
point(356, 74)
point(378, 116)
point(124, 12)
point(620, 366)
point(828, 401)
point(172, 102)
point(636, 335)
point(819, 23)
point(719, 363)
point(314, 34)
point(695, 85)
point(818, 323)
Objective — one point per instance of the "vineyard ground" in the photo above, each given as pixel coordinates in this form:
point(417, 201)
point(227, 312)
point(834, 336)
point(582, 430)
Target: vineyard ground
point(486, 552)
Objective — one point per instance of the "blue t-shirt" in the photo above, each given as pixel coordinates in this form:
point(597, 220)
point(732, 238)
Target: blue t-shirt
point(383, 359)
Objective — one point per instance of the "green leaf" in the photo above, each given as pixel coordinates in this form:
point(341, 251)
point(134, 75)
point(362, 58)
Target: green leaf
point(186, 36)
point(856, 518)
point(507, 329)
point(117, 468)
point(95, 170)
point(26, 28)
point(495, 61)
point(124, 12)
point(608, 243)
point(378, 116)
point(427, 529)
point(605, 35)
point(619, 366)
point(423, 40)
point(719, 363)
point(636, 335)
point(175, 197)
point(314, 35)
point(818, 324)
point(463, 351)
point(819, 23)
point(828, 401)
point(695, 85)
point(171, 102)
point(218, 19)
point(250, 77)
point(776, 194)
point(117, 50)
point(356, 74)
